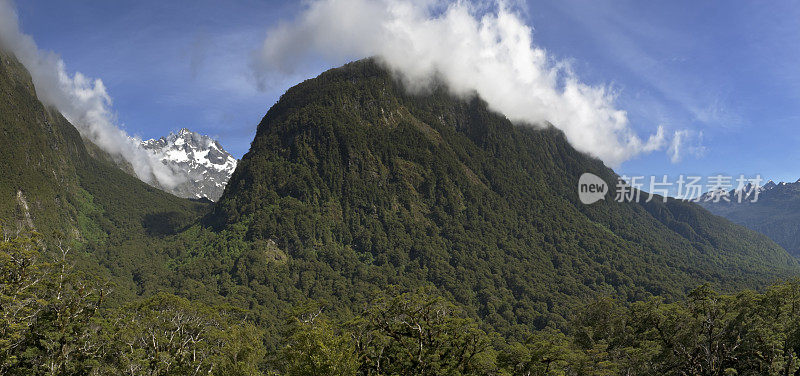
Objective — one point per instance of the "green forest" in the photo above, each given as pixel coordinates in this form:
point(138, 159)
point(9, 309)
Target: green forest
point(371, 231)
point(56, 323)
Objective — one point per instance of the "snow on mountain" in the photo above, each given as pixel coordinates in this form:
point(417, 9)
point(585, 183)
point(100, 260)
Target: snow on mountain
point(748, 192)
point(206, 164)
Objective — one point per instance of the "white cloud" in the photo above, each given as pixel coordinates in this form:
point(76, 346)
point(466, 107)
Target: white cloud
point(481, 48)
point(82, 100)
point(685, 142)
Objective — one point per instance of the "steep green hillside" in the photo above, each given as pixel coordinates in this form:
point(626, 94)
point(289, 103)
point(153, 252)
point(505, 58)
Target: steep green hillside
point(353, 184)
point(50, 181)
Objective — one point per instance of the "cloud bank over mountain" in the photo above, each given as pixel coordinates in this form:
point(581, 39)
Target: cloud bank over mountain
point(475, 48)
point(82, 100)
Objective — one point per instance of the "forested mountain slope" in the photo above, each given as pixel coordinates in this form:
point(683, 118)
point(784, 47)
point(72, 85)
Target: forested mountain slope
point(51, 182)
point(352, 183)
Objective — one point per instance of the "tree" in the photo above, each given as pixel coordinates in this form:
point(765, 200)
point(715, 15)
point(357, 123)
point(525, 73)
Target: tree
point(169, 335)
point(22, 300)
point(47, 310)
point(314, 347)
point(420, 333)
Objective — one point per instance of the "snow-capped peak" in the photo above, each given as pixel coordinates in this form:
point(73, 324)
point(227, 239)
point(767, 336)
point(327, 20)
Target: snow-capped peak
point(206, 164)
point(769, 188)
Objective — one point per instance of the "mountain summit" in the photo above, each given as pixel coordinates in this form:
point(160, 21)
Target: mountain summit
point(356, 183)
point(207, 165)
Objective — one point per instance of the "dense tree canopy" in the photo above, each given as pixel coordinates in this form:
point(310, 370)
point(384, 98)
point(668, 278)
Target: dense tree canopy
point(55, 323)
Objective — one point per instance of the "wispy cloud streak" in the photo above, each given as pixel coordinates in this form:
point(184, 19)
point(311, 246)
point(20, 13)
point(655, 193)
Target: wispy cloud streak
point(82, 100)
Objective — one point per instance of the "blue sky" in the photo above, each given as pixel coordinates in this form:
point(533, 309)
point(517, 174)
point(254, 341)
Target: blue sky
point(726, 70)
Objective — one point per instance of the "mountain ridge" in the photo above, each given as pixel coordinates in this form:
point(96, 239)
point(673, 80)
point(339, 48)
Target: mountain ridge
point(775, 214)
point(350, 170)
point(73, 190)
point(203, 161)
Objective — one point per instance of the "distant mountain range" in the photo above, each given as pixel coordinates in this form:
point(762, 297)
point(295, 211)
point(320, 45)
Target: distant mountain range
point(776, 213)
point(206, 163)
